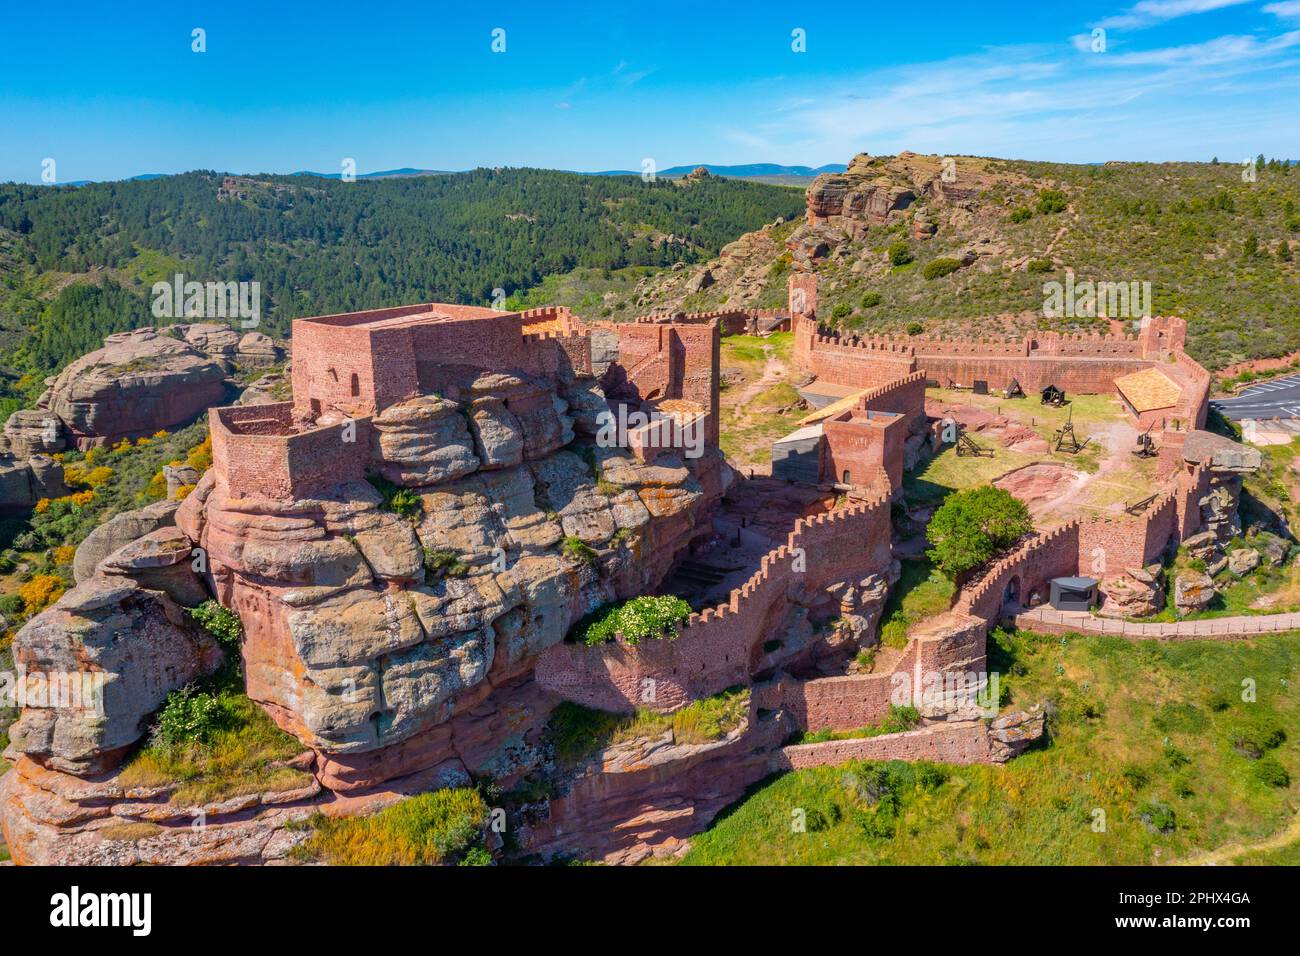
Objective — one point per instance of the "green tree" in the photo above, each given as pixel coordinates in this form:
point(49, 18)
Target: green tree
point(973, 526)
point(900, 254)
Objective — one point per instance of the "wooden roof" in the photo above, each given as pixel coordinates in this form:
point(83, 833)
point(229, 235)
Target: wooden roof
point(1149, 389)
point(834, 408)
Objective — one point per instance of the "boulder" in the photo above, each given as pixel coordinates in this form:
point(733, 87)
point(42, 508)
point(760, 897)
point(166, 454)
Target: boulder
point(142, 643)
point(1242, 561)
point(423, 441)
point(1276, 549)
point(118, 531)
point(1013, 733)
point(1204, 545)
point(1193, 591)
point(33, 431)
point(178, 477)
point(257, 349)
point(1136, 593)
point(138, 383)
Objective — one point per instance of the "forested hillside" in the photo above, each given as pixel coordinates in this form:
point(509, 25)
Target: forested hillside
point(77, 262)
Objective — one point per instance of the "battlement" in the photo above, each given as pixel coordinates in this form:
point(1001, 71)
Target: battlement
point(722, 646)
point(1100, 547)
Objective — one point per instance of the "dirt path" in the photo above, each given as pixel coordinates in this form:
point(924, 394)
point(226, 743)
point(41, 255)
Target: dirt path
point(1225, 855)
point(773, 373)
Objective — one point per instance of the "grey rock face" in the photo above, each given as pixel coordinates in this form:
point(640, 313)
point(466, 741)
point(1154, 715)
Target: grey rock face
point(118, 531)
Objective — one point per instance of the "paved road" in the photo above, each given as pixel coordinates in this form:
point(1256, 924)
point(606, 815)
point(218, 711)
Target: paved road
point(1276, 399)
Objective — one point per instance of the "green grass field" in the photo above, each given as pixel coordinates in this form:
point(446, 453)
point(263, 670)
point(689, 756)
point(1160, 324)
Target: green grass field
point(1153, 740)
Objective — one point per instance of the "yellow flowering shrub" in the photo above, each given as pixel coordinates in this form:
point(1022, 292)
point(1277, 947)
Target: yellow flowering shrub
point(64, 553)
point(40, 592)
point(97, 476)
point(183, 492)
point(200, 456)
point(157, 487)
point(42, 506)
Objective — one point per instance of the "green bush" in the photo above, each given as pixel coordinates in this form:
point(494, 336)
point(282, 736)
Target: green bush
point(1158, 816)
point(1021, 213)
point(222, 624)
point(938, 268)
point(1256, 734)
point(12, 606)
point(445, 562)
point(841, 310)
point(189, 716)
point(900, 253)
point(973, 526)
point(1267, 770)
point(1039, 265)
point(894, 632)
point(1051, 201)
point(638, 619)
point(576, 549)
point(871, 299)
point(399, 500)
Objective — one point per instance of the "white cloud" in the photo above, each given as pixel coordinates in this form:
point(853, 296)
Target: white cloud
point(1048, 102)
point(1287, 10)
point(1220, 50)
point(1150, 12)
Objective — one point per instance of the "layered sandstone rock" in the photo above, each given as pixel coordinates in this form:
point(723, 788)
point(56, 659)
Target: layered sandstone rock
point(140, 643)
point(138, 383)
point(118, 531)
point(1193, 591)
point(370, 636)
point(34, 431)
point(1139, 592)
point(25, 482)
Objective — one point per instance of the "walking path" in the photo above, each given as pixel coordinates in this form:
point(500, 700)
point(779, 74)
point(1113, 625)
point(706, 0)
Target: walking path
point(1059, 622)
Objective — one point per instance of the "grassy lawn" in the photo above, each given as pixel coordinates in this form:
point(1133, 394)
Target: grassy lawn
point(240, 758)
point(1152, 735)
point(577, 732)
point(428, 829)
point(922, 592)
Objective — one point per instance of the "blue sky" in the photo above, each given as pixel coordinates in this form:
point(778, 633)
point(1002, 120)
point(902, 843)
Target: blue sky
point(110, 90)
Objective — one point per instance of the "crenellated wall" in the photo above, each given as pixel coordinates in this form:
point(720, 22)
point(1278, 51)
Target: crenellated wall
point(1095, 547)
point(721, 646)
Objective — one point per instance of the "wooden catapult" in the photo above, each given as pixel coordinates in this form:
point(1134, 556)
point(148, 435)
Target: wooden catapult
point(1053, 396)
point(1066, 440)
point(1146, 445)
point(967, 447)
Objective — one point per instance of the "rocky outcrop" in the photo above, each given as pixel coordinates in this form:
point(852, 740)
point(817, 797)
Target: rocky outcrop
point(97, 665)
point(118, 531)
point(56, 819)
point(1193, 591)
point(370, 636)
point(138, 383)
point(1241, 561)
point(1013, 733)
point(1139, 592)
point(30, 432)
point(25, 482)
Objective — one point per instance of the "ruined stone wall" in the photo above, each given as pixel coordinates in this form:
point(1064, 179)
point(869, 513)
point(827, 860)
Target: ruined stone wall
point(719, 647)
point(257, 454)
point(964, 742)
point(858, 444)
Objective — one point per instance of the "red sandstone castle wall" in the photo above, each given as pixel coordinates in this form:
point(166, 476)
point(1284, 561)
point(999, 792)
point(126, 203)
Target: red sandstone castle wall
point(1098, 547)
point(255, 453)
point(720, 647)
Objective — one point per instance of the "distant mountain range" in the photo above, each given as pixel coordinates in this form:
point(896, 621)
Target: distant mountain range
point(772, 172)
